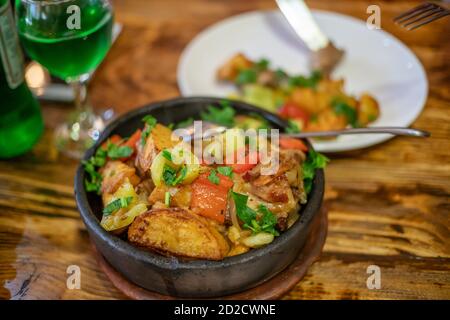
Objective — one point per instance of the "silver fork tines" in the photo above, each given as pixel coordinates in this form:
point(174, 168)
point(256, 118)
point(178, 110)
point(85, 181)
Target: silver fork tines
point(421, 15)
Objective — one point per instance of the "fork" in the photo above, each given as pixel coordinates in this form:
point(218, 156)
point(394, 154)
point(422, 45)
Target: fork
point(421, 15)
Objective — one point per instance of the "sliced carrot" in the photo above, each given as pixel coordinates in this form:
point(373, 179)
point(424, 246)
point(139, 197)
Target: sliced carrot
point(209, 199)
point(247, 165)
point(292, 143)
point(135, 137)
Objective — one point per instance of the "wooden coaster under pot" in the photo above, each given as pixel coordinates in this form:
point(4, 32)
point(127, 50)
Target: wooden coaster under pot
point(274, 288)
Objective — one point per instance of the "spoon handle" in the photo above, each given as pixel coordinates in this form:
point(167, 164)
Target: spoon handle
point(398, 131)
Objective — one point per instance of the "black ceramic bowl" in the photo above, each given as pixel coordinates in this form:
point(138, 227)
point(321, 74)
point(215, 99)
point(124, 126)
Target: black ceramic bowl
point(194, 278)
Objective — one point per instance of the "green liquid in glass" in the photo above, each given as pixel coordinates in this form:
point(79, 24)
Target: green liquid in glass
point(70, 53)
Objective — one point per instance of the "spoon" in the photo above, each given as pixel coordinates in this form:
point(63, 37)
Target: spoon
point(210, 130)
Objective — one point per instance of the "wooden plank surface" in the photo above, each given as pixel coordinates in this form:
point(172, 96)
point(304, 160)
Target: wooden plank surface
point(388, 205)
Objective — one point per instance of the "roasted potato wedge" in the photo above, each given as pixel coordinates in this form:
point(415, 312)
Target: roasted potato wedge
point(178, 232)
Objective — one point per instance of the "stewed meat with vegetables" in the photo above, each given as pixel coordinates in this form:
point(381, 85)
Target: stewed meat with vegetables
point(162, 197)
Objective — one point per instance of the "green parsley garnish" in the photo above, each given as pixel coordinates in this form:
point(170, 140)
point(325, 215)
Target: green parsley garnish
point(246, 76)
point(223, 115)
point(302, 81)
point(93, 181)
point(116, 205)
point(292, 127)
point(115, 151)
point(262, 64)
point(171, 177)
point(166, 154)
point(342, 108)
point(213, 177)
point(226, 171)
point(262, 220)
point(167, 199)
point(150, 123)
point(314, 160)
point(184, 123)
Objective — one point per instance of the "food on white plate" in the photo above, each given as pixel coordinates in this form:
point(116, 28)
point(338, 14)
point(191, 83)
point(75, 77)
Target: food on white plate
point(310, 103)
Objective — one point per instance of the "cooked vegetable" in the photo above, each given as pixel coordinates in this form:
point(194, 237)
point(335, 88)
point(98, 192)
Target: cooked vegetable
point(178, 232)
point(226, 171)
point(292, 143)
point(116, 205)
point(150, 122)
point(109, 150)
point(314, 102)
point(258, 240)
point(262, 221)
point(342, 108)
point(210, 199)
point(175, 171)
point(314, 160)
point(121, 208)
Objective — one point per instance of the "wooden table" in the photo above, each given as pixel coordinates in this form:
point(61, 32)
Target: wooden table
point(389, 205)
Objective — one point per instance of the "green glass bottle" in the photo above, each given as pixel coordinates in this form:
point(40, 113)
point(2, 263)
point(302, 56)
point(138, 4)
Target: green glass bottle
point(20, 116)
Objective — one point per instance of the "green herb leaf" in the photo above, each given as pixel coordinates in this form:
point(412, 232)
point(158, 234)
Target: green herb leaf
point(342, 108)
point(226, 171)
point(116, 205)
point(308, 82)
point(268, 220)
point(93, 181)
point(181, 176)
point(167, 199)
point(223, 115)
point(213, 177)
point(262, 221)
point(281, 74)
point(244, 213)
point(246, 76)
point(166, 154)
point(314, 160)
point(292, 127)
point(150, 123)
point(262, 64)
point(184, 123)
point(115, 151)
point(171, 177)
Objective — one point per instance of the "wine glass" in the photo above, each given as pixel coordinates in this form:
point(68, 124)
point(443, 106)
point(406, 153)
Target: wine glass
point(70, 38)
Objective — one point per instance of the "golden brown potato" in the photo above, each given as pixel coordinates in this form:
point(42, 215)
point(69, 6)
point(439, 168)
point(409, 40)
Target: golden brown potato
point(305, 98)
point(178, 232)
point(162, 137)
point(368, 109)
point(237, 250)
point(179, 196)
point(114, 174)
point(231, 68)
point(327, 120)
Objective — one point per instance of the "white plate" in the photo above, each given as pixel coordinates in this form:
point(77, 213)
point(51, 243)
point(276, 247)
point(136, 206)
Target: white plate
point(375, 62)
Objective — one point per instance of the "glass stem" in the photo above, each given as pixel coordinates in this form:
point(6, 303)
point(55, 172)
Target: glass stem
point(80, 94)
